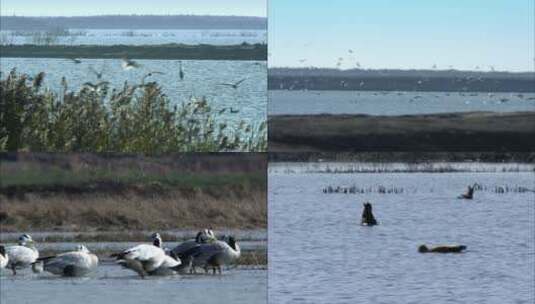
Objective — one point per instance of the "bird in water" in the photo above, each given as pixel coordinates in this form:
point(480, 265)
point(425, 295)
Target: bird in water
point(233, 85)
point(184, 249)
point(148, 259)
point(4, 258)
point(367, 218)
point(76, 60)
point(469, 193)
point(180, 71)
point(22, 255)
point(70, 264)
point(442, 249)
point(215, 254)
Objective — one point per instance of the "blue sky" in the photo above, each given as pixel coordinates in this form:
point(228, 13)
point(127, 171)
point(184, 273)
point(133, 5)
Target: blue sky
point(98, 7)
point(403, 34)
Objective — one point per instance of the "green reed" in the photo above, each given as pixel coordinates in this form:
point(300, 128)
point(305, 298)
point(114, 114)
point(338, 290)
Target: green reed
point(98, 118)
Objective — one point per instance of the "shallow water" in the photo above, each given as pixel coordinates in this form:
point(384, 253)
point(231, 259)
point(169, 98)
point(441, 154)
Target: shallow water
point(319, 253)
point(394, 103)
point(202, 78)
point(145, 37)
point(113, 284)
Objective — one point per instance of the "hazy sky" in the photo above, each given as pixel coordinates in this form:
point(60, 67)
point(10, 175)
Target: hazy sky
point(403, 34)
point(98, 7)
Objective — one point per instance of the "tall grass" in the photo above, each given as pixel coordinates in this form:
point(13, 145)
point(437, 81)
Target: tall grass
point(98, 118)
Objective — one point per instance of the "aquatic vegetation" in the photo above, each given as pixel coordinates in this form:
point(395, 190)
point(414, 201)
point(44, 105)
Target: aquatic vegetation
point(98, 118)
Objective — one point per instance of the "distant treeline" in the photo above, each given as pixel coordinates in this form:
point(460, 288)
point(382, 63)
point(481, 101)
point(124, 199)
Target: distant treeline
point(133, 22)
point(399, 80)
point(410, 157)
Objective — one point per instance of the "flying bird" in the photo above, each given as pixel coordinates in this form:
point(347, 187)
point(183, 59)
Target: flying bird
point(129, 64)
point(233, 85)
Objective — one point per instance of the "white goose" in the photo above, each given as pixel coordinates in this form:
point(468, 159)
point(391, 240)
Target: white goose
point(185, 250)
point(22, 255)
point(216, 254)
point(148, 259)
point(71, 264)
point(4, 258)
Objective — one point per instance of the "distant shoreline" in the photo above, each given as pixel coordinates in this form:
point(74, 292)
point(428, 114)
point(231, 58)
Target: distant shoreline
point(400, 80)
point(447, 132)
point(165, 51)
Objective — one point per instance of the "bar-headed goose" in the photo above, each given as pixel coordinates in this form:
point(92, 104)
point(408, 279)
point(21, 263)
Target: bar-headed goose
point(185, 250)
point(216, 254)
point(3, 257)
point(22, 255)
point(147, 259)
point(71, 264)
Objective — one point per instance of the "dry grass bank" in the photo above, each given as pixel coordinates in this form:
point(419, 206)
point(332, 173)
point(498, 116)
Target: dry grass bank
point(94, 192)
point(131, 211)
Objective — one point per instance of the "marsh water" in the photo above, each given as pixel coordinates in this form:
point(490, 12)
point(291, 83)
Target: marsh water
point(319, 252)
point(112, 284)
point(141, 37)
point(395, 103)
point(202, 78)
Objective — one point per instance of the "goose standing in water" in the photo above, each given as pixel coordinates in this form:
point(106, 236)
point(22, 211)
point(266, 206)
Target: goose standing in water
point(22, 255)
point(148, 259)
point(71, 264)
point(442, 249)
point(4, 259)
point(185, 250)
point(216, 254)
point(367, 218)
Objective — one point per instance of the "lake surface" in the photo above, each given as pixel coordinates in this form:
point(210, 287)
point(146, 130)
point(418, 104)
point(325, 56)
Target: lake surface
point(142, 37)
point(319, 253)
point(202, 78)
point(394, 103)
point(113, 284)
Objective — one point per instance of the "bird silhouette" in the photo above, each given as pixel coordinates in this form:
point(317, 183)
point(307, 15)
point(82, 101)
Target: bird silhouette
point(233, 85)
point(129, 64)
point(97, 73)
point(180, 71)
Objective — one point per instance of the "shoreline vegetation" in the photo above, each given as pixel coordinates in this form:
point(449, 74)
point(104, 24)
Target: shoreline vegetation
point(98, 118)
point(242, 51)
point(84, 192)
point(447, 132)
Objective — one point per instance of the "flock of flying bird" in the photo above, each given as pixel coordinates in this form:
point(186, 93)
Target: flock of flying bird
point(129, 64)
point(205, 251)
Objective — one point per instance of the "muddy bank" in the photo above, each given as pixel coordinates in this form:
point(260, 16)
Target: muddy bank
point(475, 131)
